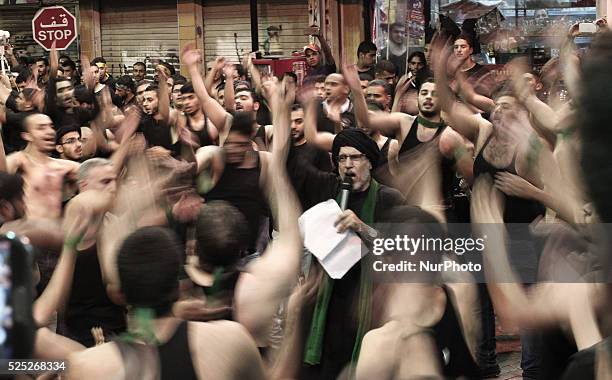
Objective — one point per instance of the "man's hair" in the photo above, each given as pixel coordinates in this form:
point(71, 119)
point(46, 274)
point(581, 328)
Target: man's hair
point(318, 79)
point(419, 54)
point(179, 79)
point(222, 234)
point(365, 76)
point(379, 82)
point(385, 65)
point(168, 66)
point(128, 82)
point(11, 187)
point(250, 91)
point(70, 63)
point(148, 267)
point(92, 163)
point(426, 80)
point(83, 95)
point(24, 75)
point(397, 25)
point(366, 47)
point(466, 37)
point(98, 60)
point(140, 64)
point(187, 89)
point(296, 107)
point(64, 131)
point(242, 124)
point(152, 87)
point(240, 70)
point(290, 74)
point(59, 80)
point(42, 59)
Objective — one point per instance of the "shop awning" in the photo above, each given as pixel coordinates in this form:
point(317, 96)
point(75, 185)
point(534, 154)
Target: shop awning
point(462, 10)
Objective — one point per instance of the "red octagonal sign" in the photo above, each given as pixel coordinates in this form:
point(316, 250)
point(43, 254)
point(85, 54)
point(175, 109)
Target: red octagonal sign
point(54, 24)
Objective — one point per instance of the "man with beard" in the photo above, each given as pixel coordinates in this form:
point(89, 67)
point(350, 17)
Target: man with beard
point(396, 50)
point(245, 101)
point(366, 58)
point(427, 127)
point(139, 70)
point(41, 64)
point(195, 121)
point(334, 333)
point(407, 87)
point(69, 144)
point(43, 176)
point(159, 119)
point(125, 89)
point(238, 176)
point(178, 81)
point(105, 77)
point(302, 149)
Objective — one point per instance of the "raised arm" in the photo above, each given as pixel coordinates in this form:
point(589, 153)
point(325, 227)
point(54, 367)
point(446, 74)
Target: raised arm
point(323, 140)
point(230, 102)
point(456, 114)
point(215, 70)
point(270, 279)
point(351, 76)
point(80, 213)
point(212, 109)
point(327, 52)
point(247, 62)
point(164, 99)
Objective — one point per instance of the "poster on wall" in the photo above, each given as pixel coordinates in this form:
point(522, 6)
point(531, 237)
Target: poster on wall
point(415, 22)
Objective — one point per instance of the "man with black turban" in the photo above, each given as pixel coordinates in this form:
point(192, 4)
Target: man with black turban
point(341, 316)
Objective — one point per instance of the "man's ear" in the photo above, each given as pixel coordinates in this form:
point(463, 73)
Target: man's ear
point(539, 86)
point(59, 148)
point(256, 106)
point(26, 136)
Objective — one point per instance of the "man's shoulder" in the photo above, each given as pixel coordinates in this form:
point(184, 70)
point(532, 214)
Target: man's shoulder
point(100, 362)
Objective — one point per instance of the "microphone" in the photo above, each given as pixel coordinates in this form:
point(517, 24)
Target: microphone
point(345, 190)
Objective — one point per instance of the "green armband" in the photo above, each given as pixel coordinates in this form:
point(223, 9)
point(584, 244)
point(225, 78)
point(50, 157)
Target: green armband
point(459, 152)
point(535, 146)
point(71, 242)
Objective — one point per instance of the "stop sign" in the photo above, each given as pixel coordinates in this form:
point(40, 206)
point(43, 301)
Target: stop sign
point(54, 24)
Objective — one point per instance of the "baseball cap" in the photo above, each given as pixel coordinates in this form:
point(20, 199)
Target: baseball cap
point(313, 47)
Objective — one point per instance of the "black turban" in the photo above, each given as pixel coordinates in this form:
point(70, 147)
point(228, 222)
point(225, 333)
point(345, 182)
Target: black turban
point(359, 140)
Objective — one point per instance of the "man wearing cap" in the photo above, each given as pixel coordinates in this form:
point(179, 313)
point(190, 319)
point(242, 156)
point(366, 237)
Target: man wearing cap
point(313, 56)
point(341, 315)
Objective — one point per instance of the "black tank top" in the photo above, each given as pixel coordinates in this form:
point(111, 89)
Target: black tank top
point(156, 133)
point(517, 210)
point(203, 136)
point(88, 304)
point(411, 141)
point(174, 356)
point(240, 187)
point(447, 165)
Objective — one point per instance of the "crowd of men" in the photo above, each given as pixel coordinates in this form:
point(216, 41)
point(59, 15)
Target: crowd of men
point(164, 212)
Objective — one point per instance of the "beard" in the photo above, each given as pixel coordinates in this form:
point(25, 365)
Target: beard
point(428, 113)
point(295, 137)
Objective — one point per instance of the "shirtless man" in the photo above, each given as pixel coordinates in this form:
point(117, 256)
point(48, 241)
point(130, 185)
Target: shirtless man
point(43, 176)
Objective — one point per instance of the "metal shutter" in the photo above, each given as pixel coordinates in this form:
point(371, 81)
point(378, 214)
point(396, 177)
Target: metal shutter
point(139, 30)
point(222, 19)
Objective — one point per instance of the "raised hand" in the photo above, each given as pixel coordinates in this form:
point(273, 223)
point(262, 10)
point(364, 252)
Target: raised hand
point(351, 76)
point(487, 202)
point(513, 185)
point(190, 56)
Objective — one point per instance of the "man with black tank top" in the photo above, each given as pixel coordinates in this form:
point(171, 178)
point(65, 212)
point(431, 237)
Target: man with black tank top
point(195, 120)
point(159, 121)
point(245, 100)
point(426, 127)
point(238, 176)
point(89, 304)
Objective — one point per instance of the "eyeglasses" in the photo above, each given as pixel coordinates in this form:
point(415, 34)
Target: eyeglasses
point(72, 140)
point(354, 157)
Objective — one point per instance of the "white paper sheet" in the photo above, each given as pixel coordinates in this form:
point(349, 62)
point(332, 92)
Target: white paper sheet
point(336, 252)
